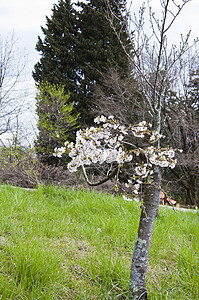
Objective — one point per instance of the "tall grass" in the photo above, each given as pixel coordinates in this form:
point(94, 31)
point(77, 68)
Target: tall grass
point(67, 244)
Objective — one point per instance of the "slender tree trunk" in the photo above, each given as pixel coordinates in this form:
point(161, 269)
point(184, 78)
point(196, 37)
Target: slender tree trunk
point(141, 251)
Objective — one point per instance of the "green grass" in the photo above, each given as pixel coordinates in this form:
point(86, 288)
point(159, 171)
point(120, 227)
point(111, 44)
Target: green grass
point(67, 244)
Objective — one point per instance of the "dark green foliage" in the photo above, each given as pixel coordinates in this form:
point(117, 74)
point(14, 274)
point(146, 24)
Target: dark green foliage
point(58, 62)
point(99, 48)
point(78, 45)
point(56, 119)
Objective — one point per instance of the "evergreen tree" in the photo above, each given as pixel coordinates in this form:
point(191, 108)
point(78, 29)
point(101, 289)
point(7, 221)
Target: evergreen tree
point(99, 49)
point(58, 49)
point(78, 45)
point(56, 119)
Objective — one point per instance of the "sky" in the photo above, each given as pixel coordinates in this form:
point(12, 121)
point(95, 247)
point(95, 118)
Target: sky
point(24, 18)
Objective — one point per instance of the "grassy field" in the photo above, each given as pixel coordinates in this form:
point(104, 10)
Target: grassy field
point(66, 244)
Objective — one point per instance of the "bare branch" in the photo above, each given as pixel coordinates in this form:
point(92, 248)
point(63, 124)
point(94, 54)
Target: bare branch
point(176, 15)
point(12, 67)
point(111, 16)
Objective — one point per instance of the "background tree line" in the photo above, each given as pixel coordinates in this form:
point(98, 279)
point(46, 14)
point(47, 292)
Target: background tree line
point(79, 44)
point(86, 70)
point(91, 53)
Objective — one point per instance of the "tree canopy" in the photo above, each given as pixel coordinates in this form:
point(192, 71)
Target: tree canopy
point(79, 44)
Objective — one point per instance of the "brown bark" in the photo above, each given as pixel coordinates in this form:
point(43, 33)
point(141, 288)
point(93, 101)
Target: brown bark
point(141, 251)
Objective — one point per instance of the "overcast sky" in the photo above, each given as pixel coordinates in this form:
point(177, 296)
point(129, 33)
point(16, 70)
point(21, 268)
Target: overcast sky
point(25, 17)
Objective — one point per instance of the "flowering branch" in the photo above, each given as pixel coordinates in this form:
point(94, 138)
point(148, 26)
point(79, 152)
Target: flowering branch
point(106, 143)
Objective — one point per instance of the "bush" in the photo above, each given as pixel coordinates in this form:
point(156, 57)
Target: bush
point(22, 167)
point(19, 166)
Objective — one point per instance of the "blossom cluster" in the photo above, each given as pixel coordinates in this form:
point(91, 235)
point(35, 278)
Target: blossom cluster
point(106, 143)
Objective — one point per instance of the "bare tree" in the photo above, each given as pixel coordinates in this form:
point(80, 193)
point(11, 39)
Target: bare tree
point(123, 94)
point(179, 120)
point(12, 94)
point(182, 129)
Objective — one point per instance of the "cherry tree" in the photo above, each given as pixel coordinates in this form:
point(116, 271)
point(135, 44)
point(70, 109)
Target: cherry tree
point(154, 62)
point(106, 143)
point(155, 66)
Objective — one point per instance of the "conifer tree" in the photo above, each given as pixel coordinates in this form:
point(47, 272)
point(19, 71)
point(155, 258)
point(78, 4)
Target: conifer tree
point(78, 45)
point(58, 60)
point(99, 48)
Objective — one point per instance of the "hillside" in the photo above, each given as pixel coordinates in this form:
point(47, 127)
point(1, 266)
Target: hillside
point(74, 244)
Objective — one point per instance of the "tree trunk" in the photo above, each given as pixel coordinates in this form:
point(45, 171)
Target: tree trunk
point(192, 190)
point(141, 251)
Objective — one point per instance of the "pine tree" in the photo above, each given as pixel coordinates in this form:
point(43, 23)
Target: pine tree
point(99, 49)
point(79, 44)
point(58, 49)
point(77, 47)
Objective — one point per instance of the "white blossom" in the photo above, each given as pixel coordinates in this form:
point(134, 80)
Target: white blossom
point(120, 137)
point(126, 199)
point(66, 143)
point(59, 151)
point(96, 120)
point(102, 119)
point(173, 163)
point(123, 130)
point(143, 123)
point(141, 171)
point(136, 199)
point(105, 144)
